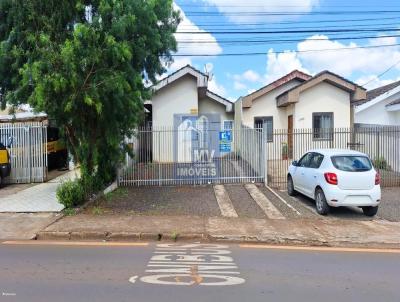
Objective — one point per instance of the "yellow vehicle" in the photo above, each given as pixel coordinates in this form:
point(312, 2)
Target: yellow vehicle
point(57, 154)
point(5, 165)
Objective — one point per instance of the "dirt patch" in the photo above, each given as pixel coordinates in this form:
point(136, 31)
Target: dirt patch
point(185, 200)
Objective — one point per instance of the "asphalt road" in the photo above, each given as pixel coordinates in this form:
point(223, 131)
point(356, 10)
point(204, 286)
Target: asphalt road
point(229, 273)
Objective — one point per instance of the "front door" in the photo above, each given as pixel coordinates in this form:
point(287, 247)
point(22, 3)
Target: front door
point(290, 136)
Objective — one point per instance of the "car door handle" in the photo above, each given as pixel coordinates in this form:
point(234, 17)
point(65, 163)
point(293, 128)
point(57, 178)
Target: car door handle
point(315, 176)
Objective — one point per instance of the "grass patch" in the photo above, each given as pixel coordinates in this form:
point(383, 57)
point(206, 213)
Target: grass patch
point(97, 210)
point(118, 193)
point(69, 212)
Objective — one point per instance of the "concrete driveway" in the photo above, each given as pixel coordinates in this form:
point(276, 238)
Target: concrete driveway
point(36, 198)
point(24, 226)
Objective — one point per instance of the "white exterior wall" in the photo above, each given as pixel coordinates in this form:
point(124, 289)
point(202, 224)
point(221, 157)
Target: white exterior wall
point(207, 105)
point(323, 97)
point(266, 106)
point(179, 97)
point(377, 114)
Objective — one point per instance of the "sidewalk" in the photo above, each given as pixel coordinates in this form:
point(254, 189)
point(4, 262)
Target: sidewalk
point(38, 198)
point(377, 233)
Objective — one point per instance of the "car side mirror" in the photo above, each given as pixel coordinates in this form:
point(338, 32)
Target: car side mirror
point(295, 163)
point(9, 142)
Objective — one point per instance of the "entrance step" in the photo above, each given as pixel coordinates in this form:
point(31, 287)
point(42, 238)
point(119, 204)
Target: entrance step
point(224, 202)
point(263, 202)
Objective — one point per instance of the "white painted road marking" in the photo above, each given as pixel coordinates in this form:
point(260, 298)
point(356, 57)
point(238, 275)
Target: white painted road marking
point(263, 202)
point(133, 279)
point(283, 200)
point(224, 202)
point(192, 264)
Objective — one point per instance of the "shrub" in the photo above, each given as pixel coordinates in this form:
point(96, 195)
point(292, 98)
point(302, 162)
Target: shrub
point(71, 193)
point(380, 163)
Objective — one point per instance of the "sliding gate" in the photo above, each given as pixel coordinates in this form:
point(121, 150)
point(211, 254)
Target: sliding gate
point(193, 153)
point(26, 145)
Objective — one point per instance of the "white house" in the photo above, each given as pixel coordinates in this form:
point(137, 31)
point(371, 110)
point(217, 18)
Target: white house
point(381, 107)
point(298, 100)
point(186, 117)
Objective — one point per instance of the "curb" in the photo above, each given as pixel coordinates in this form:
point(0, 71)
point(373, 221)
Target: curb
point(157, 237)
point(117, 236)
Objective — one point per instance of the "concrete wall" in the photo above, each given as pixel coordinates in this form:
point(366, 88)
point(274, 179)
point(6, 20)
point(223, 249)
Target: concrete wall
point(207, 105)
point(378, 115)
point(323, 97)
point(266, 106)
point(178, 97)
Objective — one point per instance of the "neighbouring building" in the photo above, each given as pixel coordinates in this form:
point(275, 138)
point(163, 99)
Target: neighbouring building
point(381, 106)
point(298, 100)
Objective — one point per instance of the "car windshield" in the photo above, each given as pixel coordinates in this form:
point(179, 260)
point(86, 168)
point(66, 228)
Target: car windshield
point(351, 163)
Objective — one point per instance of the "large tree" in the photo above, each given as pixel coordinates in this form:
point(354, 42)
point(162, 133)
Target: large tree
point(84, 63)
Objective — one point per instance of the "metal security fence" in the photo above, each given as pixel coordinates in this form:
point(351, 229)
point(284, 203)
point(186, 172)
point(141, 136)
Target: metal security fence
point(193, 155)
point(382, 144)
point(28, 154)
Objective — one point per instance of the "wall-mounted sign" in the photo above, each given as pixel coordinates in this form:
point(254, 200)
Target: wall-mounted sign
point(225, 136)
point(225, 140)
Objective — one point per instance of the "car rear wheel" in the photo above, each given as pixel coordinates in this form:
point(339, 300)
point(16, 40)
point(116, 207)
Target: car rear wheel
point(290, 186)
point(370, 211)
point(320, 202)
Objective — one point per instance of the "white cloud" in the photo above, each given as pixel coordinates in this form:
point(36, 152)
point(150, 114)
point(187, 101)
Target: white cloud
point(280, 64)
point(180, 62)
point(197, 44)
point(346, 62)
point(239, 86)
point(362, 63)
point(251, 76)
point(213, 86)
point(242, 13)
point(373, 81)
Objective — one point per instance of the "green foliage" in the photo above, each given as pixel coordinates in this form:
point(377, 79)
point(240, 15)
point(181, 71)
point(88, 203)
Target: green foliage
point(97, 210)
point(69, 212)
point(120, 192)
point(381, 163)
point(71, 193)
point(86, 71)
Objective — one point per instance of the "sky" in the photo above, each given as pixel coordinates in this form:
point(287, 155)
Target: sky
point(274, 37)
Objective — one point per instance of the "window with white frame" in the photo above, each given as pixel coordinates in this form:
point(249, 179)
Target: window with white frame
point(323, 125)
point(227, 125)
point(265, 122)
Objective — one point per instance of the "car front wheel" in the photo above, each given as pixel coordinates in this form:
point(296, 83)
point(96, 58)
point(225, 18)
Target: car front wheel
point(290, 186)
point(320, 202)
point(370, 211)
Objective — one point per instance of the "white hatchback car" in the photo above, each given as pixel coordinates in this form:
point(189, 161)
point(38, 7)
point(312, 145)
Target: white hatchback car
point(335, 178)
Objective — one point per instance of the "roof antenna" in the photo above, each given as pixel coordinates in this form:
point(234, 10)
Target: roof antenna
point(207, 69)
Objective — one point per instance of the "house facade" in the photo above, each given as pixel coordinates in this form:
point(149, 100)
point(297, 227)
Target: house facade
point(298, 100)
point(381, 106)
point(187, 118)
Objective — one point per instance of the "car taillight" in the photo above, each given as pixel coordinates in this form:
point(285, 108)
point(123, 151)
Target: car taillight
point(331, 178)
point(377, 179)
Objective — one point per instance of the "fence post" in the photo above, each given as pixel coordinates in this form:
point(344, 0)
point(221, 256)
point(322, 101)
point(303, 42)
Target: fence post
point(264, 153)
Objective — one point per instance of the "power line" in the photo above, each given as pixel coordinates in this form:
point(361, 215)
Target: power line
point(272, 41)
point(242, 32)
point(299, 13)
point(209, 23)
point(381, 74)
point(279, 52)
point(254, 27)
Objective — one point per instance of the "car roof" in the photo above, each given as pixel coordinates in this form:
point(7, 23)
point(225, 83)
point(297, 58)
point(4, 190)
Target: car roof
point(332, 152)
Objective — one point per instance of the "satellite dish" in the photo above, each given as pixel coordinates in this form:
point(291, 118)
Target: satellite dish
point(209, 67)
